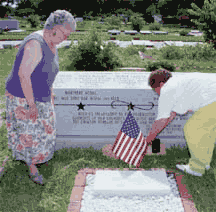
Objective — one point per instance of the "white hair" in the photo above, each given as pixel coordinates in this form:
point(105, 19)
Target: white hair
point(60, 17)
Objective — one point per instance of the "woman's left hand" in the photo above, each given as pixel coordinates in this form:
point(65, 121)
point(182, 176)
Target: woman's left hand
point(52, 98)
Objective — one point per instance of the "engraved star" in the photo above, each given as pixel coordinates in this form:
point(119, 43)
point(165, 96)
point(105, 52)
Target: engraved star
point(81, 106)
point(130, 106)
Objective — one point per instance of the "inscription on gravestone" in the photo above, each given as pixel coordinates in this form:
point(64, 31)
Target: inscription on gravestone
point(94, 105)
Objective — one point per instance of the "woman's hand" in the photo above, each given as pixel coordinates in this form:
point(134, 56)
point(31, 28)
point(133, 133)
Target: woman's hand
point(52, 98)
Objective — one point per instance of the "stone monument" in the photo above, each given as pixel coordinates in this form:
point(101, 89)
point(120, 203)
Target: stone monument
point(92, 106)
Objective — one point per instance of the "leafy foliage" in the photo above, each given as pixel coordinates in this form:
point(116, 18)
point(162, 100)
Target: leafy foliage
point(207, 19)
point(183, 32)
point(134, 50)
point(154, 27)
point(205, 51)
point(137, 21)
point(34, 20)
point(151, 66)
point(93, 55)
point(113, 21)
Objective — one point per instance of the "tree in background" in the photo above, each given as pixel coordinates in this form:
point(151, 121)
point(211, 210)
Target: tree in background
point(126, 12)
point(27, 7)
point(45, 7)
point(207, 19)
point(137, 22)
point(31, 9)
point(147, 8)
point(177, 8)
point(6, 10)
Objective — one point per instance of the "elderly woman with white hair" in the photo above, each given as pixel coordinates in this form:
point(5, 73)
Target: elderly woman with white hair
point(30, 115)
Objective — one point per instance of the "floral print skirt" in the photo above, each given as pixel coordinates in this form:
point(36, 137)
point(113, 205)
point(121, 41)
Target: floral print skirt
point(31, 142)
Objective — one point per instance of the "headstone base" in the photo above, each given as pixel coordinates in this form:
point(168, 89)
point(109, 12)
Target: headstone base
point(98, 142)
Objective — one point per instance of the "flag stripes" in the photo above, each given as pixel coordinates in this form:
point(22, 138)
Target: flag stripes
point(130, 145)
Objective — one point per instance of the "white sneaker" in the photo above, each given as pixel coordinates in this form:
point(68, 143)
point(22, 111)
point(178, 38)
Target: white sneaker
point(186, 168)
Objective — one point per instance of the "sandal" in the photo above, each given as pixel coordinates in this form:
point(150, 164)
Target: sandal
point(40, 178)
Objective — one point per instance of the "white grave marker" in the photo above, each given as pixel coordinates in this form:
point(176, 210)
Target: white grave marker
point(130, 183)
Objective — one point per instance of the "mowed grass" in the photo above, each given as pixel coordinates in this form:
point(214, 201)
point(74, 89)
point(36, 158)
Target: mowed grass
point(18, 193)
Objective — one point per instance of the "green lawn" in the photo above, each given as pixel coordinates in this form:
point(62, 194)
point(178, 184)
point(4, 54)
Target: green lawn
point(16, 190)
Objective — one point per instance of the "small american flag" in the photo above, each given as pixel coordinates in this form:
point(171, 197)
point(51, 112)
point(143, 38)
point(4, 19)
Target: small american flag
point(130, 145)
point(143, 56)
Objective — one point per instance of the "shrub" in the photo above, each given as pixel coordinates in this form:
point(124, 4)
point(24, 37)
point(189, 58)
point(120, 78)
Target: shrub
point(151, 66)
point(171, 52)
point(134, 50)
point(1, 30)
point(183, 32)
point(137, 22)
point(93, 55)
point(206, 21)
point(34, 20)
point(154, 27)
point(113, 21)
point(198, 52)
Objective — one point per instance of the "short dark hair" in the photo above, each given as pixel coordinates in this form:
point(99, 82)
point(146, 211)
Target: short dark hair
point(157, 76)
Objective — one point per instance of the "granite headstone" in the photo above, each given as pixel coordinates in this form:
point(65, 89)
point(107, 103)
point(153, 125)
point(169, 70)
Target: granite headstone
point(91, 107)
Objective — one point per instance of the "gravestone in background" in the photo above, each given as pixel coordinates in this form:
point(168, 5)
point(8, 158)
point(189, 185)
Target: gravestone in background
point(105, 97)
point(12, 24)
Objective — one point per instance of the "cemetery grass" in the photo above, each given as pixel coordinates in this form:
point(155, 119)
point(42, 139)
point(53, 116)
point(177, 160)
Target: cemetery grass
point(19, 193)
point(16, 188)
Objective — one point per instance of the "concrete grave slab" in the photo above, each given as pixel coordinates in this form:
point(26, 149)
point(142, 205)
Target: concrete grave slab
point(18, 31)
point(145, 32)
point(190, 43)
point(170, 43)
point(160, 32)
point(131, 32)
point(142, 42)
point(125, 44)
point(159, 45)
point(129, 183)
point(114, 32)
point(179, 44)
point(195, 31)
point(132, 68)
